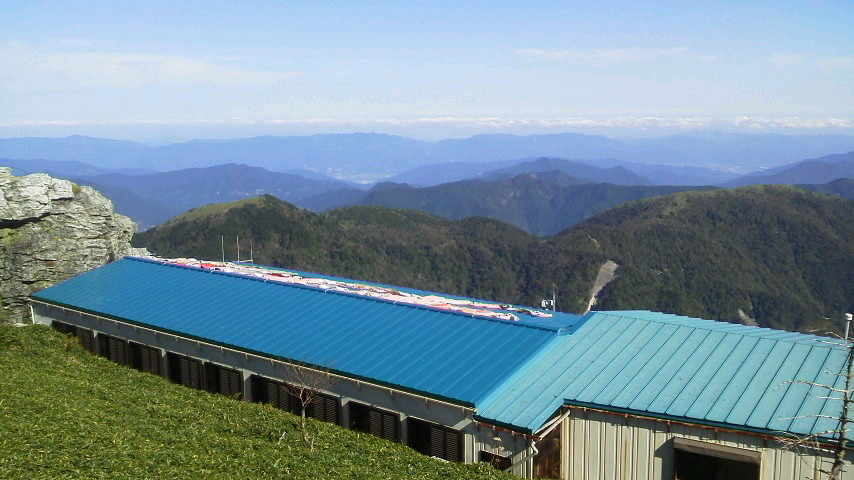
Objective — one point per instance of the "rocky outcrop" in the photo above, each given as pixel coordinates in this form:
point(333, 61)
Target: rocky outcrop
point(50, 230)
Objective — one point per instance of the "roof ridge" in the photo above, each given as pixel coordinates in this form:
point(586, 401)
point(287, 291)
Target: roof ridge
point(517, 323)
point(725, 327)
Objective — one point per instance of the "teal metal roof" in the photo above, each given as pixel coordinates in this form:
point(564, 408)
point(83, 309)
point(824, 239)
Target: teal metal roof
point(515, 374)
point(442, 354)
point(675, 367)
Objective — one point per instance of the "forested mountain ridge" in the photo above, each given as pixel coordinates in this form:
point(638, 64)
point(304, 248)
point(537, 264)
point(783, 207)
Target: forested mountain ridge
point(541, 203)
point(780, 256)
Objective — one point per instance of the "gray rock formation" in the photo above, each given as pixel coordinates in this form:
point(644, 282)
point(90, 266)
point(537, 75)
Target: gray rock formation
point(50, 230)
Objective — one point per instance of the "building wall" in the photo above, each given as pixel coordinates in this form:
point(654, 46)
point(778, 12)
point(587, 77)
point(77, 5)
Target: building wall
point(476, 437)
point(610, 446)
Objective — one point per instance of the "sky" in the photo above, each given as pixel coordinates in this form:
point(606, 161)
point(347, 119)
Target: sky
point(165, 71)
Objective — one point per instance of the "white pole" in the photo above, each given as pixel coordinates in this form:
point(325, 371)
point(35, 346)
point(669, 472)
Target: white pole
point(238, 248)
point(848, 318)
point(222, 242)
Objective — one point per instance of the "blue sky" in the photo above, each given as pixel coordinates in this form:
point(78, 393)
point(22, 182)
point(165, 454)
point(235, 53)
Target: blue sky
point(167, 70)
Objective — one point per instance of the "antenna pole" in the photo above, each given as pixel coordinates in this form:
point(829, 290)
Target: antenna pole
point(848, 318)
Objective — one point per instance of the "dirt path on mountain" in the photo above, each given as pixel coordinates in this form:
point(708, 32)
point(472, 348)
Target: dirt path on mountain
point(607, 273)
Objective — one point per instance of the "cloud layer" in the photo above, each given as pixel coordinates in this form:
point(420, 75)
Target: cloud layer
point(687, 123)
point(602, 55)
point(25, 69)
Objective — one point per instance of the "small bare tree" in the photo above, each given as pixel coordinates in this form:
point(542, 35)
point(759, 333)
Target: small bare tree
point(304, 386)
point(838, 447)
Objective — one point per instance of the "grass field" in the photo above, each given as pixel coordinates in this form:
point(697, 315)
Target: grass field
point(65, 413)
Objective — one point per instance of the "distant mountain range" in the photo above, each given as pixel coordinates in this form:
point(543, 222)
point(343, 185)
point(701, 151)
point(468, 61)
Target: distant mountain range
point(843, 187)
point(150, 199)
point(742, 255)
point(656, 174)
point(542, 196)
point(541, 203)
point(372, 154)
point(817, 170)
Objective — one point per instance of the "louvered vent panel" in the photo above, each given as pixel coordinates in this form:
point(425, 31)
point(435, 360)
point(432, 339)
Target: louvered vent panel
point(453, 446)
point(390, 427)
point(437, 442)
point(87, 339)
point(376, 422)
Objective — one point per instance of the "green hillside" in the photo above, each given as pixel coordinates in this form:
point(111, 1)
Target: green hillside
point(780, 256)
point(65, 413)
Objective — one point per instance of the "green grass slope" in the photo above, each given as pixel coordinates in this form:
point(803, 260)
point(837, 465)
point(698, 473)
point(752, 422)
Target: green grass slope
point(65, 413)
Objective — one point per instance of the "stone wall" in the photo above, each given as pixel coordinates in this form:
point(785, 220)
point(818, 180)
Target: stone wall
point(50, 230)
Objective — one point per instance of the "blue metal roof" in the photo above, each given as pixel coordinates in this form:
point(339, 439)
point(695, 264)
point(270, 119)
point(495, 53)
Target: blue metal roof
point(516, 374)
point(442, 354)
point(676, 367)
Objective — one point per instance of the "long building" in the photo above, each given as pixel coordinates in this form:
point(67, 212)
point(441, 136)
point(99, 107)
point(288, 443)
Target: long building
point(606, 395)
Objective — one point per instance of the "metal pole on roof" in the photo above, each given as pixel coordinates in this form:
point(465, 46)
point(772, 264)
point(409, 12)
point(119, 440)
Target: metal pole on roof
point(848, 318)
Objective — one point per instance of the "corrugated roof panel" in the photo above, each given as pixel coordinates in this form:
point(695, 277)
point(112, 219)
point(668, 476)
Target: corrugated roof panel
point(674, 367)
point(363, 337)
point(516, 374)
point(795, 394)
point(703, 382)
point(723, 378)
point(652, 390)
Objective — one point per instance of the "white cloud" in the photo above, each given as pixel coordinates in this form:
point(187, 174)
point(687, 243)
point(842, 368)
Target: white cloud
point(836, 63)
point(602, 55)
point(787, 59)
point(27, 69)
point(76, 42)
point(641, 122)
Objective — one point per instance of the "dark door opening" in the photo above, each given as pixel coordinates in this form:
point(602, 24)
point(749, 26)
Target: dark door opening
point(695, 466)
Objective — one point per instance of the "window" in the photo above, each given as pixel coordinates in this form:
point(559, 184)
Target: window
point(281, 395)
point(275, 393)
point(113, 348)
point(145, 358)
point(324, 407)
point(225, 381)
point(435, 440)
point(372, 420)
point(185, 370)
point(696, 460)
point(497, 461)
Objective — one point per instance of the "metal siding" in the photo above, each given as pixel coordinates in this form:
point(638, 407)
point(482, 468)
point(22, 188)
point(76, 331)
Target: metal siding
point(605, 446)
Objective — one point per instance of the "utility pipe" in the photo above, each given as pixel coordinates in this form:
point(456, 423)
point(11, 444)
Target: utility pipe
point(547, 429)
